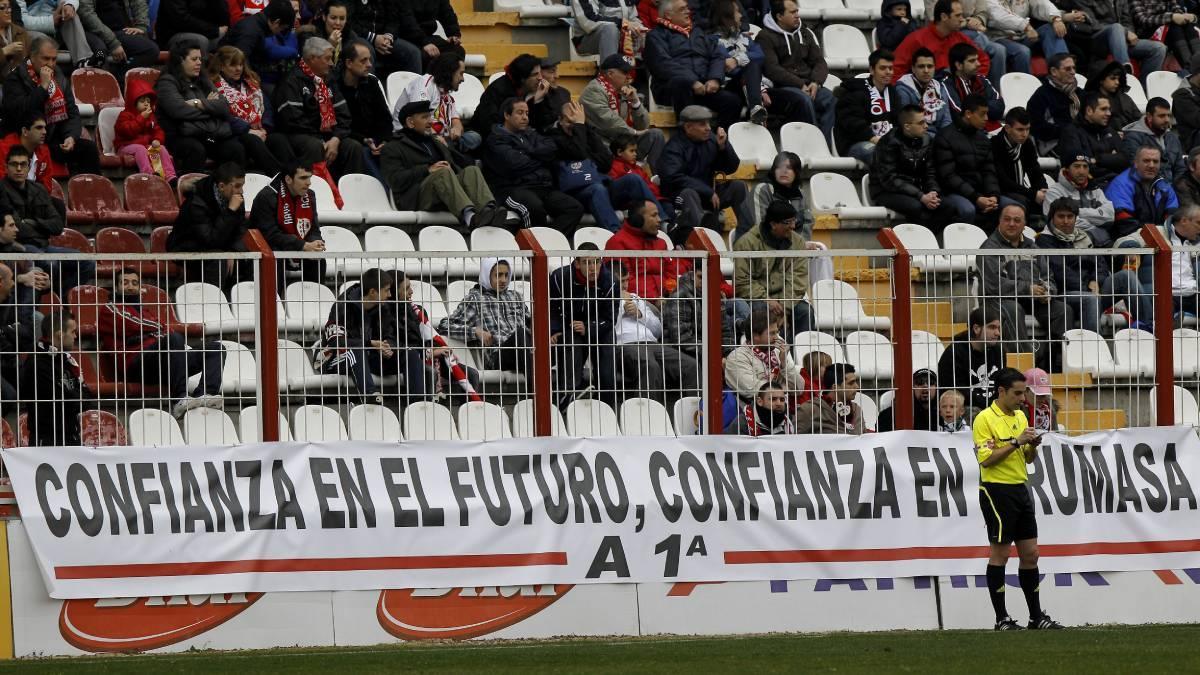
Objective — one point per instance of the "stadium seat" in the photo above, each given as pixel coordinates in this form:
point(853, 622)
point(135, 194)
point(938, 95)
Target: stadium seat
point(457, 290)
point(927, 350)
point(147, 75)
point(120, 240)
point(101, 429)
point(1163, 83)
point(1137, 92)
point(964, 236)
point(552, 240)
point(429, 421)
point(72, 239)
point(836, 305)
point(846, 47)
point(810, 145)
point(522, 420)
point(7, 438)
point(155, 428)
point(591, 418)
point(871, 355)
point(396, 82)
point(817, 341)
point(187, 182)
point(1186, 409)
point(468, 95)
point(532, 9)
point(388, 239)
point(205, 303)
point(1133, 350)
point(255, 183)
point(886, 399)
point(1017, 88)
point(341, 240)
point(106, 123)
point(296, 373)
point(243, 303)
point(239, 376)
point(327, 208)
point(248, 427)
point(1186, 352)
point(428, 296)
point(835, 193)
point(94, 200)
point(830, 10)
point(920, 238)
point(158, 244)
point(686, 415)
point(590, 233)
point(718, 242)
point(870, 411)
point(497, 240)
point(869, 6)
point(753, 143)
point(308, 305)
point(1087, 352)
point(832, 82)
point(442, 239)
point(645, 417)
point(317, 423)
point(205, 426)
point(85, 302)
point(150, 194)
point(483, 421)
point(158, 307)
point(372, 422)
point(368, 195)
point(95, 89)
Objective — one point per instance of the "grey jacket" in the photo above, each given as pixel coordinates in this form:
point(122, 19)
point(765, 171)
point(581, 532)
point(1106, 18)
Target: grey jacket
point(139, 17)
point(1095, 208)
point(1174, 159)
point(611, 123)
point(1010, 276)
point(818, 416)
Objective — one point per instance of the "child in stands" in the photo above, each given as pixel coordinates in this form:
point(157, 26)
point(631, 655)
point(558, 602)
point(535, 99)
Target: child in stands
point(139, 134)
point(624, 151)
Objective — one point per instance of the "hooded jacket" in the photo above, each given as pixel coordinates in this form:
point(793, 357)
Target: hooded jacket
point(519, 159)
point(903, 165)
point(1095, 208)
point(1124, 110)
point(686, 164)
point(891, 31)
point(671, 55)
point(963, 159)
point(1174, 162)
point(126, 326)
point(264, 216)
point(932, 98)
point(1137, 204)
point(206, 224)
point(970, 370)
point(793, 59)
point(776, 278)
point(859, 120)
point(929, 38)
point(1011, 181)
point(1073, 273)
point(1101, 143)
point(131, 127)
point(499, 313)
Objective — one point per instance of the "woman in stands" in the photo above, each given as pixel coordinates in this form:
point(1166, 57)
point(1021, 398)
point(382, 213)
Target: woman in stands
point(250, 111)
point(1109, 78)
point(783, 184)
point(193, 115)
point(744, 63)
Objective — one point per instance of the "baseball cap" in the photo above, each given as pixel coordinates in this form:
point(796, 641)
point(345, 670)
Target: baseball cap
point(779, 211)
point(549, 62)
point(695, 113)
point(1037, 381)
point(1079, 157)
point(924, 376)
point(616, 62)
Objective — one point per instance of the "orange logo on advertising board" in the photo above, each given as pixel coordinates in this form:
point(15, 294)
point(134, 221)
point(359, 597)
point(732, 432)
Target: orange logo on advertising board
point(461, 613)
point(140, 624)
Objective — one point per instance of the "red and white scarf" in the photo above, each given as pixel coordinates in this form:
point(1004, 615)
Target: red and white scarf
point(770, 360)
point(457, 371)
point(324, 97)
point(295, 214)
point(245, 101)
point(756, 427)
point(686, 31)
point(881, 105)
point(614, 99)
point(56, 101)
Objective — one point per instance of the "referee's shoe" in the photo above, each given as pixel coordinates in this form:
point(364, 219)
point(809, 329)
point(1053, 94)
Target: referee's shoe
point(1044, 622)
point(1008, 623)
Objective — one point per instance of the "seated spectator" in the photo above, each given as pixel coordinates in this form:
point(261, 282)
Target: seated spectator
point(1089, 284)
point(314, 116)
point(1110, 80)
point(250, 33)
point(1041, 410)
point(966, 169)
point(349, 344)
point(686, 65)
point(796, 69)
point(330, 24)
point(1187, 186)
point(782, 280)
point(834, 411)
point(519, 164)
point(286, 213)
point(40, 88)
point(1155, 129)
point(1140, 195)
point(925, 411)
point(903, 177)
point(812, 367)
point(651, 279)
point(205, 21)
point(766, 416)
point(418, 22)
point(147, 353)
point(51, 385)
point(895, 23)
point(238, 9)
point(138, 133)
point(783, 184)
point(624, 151)
point(1022, 284)
point(379, 24)
point(1075, 183)
point(57, 18)
point(583, 311)
point(943, 31)
point(120, 27)
point(196, 121)
point(1182, 232)
point(14, 40)
point(1178, 26)
point(556, 96)
point(974, 26)
point(16, 334)
point(1010, 24)
point(1105, 28)
point(683, 314)
point(408, 345)
point(522, 80)
point(1090, 134)
point(655, 370)
point(370, 119)
point(1185, 104)
point(963, 79)
point(614, 109)
point(494, 319)
point(251, 115)
point(866, 108)
point(690, 162)
point(952, 412)
point(30, 281)
point(212, 219)
point(423, 174)
point(744, 58)
point(1056, 103)
point(971, 359)
point(602, 27)
point(32, 137)
point(920, 89)
point(438, 87)
point(1021, 178)
point(763, 358)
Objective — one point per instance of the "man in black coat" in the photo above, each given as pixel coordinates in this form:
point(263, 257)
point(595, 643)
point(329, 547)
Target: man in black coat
point(286, 213)
point(925, 405)
point(1016, 157)
point(251, 32)
point(1055, 103)
point(378, 22)
point(418, 21)
point(208, 19)
point(583, 315)
point(212, 219)
point(688, 167)
point(424, 175)
point(1090, 135)
point(349, 343)
point(310, 111)
point(52, 387)
point(866, 108)
point(902, 173)
point(965, 167)
point(687, 66)
point(370, 117)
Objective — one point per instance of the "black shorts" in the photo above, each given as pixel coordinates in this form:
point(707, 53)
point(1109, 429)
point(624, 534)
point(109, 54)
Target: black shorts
point(1008, 512)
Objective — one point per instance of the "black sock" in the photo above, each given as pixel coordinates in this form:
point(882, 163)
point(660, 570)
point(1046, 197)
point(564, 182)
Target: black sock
point(995, 583)
point(1030, 583)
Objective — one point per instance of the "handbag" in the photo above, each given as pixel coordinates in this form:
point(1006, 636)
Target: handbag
point(577, 174)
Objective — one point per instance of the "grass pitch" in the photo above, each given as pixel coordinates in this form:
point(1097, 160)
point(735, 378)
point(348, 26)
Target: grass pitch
point(1110, 649)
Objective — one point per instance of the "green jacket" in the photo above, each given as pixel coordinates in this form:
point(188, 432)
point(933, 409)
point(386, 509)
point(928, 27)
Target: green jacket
point(777, 278)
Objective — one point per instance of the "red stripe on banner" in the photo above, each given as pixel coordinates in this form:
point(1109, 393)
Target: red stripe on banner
point(952, 552)
point(184, 569)
point(1168, 577)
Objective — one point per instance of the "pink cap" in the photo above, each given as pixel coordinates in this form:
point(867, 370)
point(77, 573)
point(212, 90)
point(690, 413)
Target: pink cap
point(1038, 381)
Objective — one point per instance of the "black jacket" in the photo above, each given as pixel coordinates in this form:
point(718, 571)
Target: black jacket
point(190, 16)
point(903, 165)
point(487, 114)
point(371, 18)
point(572, 300)
point(1006, 169)
point(584, 142)
point(205, 225)
point(177, 118)
point(890, 31)
point(925, 417)
point(250, 35)
point(524, 159)
point(264, 216)
point(405, 163)
point(1102, 144)
point(418, 20)
point(34, 210)
point(1073, 273)
point(969, 371)
point(1187, 188)
point(1050, 110)
point(400, 326)
point(54, 392)
point(297, 112)
point(789, 62)
point(370, 116)
point(686, 164)
point(1185, 104)
point(670, 55)
point(22, 97)
point(963, 158)
point(854, 114)
point(361, 324)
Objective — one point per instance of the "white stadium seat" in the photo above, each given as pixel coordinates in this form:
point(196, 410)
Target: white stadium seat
point(308, 304)
point(963, 236)
point(429, 421)
point(870, 411)
point(590, 233)
point(368, 195)
point(341, 240)
point(753, 144)
point(154, 427)
point(927, 350)
point(835, 193)
point(328, 209)
point(846, 47)
point(428, 296)
point(1017, 88)
point(255, 183)
point(468, 95)
point(869, 6)
point(590, 418)
point(248, 427)
point(442, 239)
point(240, 372)
point(836, 305)
point(1186, 352)
point(482, 421)
point(1087, 352)
point(206, 426)
point(886, 399)
point(816, 341)
point(522, 420)
point(918, 239)
point(106, 123)
point(1163, 83)
point(645, 417)
point(810, 145)
point(204, 303)
point(871, 355)
point(243, 302)
point(686, 415)
point(1133, 350)
point(1186, 409)
point(370, 422)
point(317, 423)
point(396, 82)
point(1137, 92)
point(296, 371)
point(831, 10)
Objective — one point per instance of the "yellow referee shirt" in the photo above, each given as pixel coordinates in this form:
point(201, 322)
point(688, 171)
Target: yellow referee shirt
point(994, 429)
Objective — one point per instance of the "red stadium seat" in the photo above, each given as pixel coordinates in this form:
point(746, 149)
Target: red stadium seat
point(49, 302)
point(73, 239)
point(150, 194)
point(162, 309)
point(121, 240)
point(158, 244)
point(102, 429)
point(185, 184)
point(148, 75)
point(7, 438)
point(102, 381)
point(56, 191)
point(94, 200)
point(23, 429)
point(85, 303)
point(95, 87)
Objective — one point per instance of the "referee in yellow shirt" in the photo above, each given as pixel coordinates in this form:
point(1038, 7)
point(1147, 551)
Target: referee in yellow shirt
point(1004, 444)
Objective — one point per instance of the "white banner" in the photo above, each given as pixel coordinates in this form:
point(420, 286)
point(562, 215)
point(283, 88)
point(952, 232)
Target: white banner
point(128, 522)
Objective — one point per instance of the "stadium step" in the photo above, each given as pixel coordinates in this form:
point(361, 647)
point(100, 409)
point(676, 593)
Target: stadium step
point(663, 119)
point(488, 27)
point(463, 6)
point(575, 75)
point(1083, 421)
point(499, 54)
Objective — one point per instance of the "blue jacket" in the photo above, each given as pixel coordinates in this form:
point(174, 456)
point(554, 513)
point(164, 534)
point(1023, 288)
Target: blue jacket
point(1134, 204)
point(686, 164)
point(909, 95)
point(671, 55)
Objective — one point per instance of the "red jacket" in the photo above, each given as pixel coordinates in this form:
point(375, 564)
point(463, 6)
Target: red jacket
point(928, 38)
point(622, 168)
point(126, 328)
point(650, 278)
point(132, 128)
point(46, 168)
point(240, 8)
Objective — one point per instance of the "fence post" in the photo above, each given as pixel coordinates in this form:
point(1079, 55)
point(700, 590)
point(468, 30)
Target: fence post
point(1164, 311)
point(542, 394)
point(268, 328)
point(901, 329)
point(713, 392)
